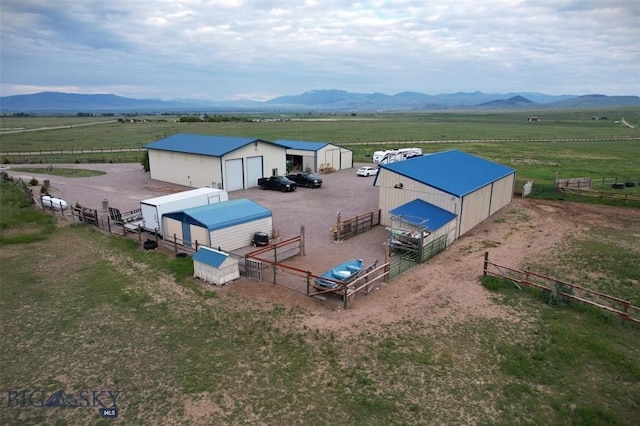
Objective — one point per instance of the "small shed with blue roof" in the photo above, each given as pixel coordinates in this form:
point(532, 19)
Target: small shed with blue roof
point(315, 157)
point(214, 266)
point(228, 225)
point(467, 187)
point(222, 162)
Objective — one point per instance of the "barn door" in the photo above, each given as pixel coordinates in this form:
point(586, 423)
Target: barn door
point(235, 173)
point(254, 170)
point(186, 234)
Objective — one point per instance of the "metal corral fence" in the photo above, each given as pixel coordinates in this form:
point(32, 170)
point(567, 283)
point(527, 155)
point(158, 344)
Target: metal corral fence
point(400, 261)
point(348, 228)
point(562, 290)
point(266, 264)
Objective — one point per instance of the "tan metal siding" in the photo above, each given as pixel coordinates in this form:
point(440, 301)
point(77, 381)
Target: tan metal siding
point(475, 209)
point(346, 158)
point(502, 192)
point(238, 236)
point(390, 197)
point(273, 157)
point(171, 227)
point(329, 155)
point(184, 169)
point(199, 234)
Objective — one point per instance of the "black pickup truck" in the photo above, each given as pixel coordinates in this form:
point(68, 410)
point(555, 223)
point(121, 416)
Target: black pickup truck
point(279, 183)
point(309, 180)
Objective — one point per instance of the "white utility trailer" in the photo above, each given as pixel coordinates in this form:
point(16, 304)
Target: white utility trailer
point(153, 208)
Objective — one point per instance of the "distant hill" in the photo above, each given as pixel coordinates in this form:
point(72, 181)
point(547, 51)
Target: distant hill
point(513, 102)
point(314, 100)
point(588, 101)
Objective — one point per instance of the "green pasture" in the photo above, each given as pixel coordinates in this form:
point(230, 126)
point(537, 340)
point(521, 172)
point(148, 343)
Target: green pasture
point(84, 310)
point(539, 151)
point(336, 128)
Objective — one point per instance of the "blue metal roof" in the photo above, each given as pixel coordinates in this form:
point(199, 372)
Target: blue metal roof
point(222, 215)
point(302, 145)
point(201, 144)
point(454, 172)
point(425, 215)
point(210, 257)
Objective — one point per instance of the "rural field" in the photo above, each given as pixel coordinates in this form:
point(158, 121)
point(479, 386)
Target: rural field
point(103, 320)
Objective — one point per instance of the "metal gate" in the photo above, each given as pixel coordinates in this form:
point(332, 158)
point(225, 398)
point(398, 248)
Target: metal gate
point(400, 263)
point(434, 247)
point(253, 268)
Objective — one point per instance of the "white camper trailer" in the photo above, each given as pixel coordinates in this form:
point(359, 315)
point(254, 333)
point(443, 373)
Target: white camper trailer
point(153, 208)
point(395, 155)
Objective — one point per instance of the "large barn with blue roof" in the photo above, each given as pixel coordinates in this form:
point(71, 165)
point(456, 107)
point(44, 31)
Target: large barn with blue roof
point(233, 163)
point(224, 162)
point(456, 190)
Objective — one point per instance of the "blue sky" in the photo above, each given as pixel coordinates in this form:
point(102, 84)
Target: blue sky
point(261, 49)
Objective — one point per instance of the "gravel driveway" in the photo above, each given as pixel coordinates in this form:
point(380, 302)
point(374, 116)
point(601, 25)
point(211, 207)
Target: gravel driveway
point(125, 185)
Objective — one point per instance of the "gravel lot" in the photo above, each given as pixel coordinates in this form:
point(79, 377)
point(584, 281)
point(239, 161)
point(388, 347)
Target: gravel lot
point(125, 185)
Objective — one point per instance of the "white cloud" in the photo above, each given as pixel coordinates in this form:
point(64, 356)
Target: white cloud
point(230, 49)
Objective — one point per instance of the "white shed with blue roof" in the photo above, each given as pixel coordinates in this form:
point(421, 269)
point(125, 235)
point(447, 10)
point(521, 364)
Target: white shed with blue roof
point(214, 267)
point(316, 157)
point(228, 226)
point(464, 185)
point(222, 162)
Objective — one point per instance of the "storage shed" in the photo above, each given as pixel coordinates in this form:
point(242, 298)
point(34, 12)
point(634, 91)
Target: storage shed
point(465, 185)
point(214, 267)
point(223, 162)
point(316, 157)
point(228, 225)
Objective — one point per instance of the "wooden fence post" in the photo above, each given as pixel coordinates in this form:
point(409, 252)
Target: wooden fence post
point(302, 252)
point(175, 244)
point(486, 263)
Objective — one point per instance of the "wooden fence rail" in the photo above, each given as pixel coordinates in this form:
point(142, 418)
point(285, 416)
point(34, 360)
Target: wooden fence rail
point(523, 277)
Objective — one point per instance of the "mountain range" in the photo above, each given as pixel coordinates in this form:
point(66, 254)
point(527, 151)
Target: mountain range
point(312, 101)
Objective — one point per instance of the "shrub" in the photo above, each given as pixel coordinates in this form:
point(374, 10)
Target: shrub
point(33, 181)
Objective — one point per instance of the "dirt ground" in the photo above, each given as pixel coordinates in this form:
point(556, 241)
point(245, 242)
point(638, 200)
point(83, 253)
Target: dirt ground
point(446, 287)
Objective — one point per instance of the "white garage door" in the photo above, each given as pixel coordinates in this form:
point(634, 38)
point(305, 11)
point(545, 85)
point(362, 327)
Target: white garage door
point(234, 175)
point(254, 170)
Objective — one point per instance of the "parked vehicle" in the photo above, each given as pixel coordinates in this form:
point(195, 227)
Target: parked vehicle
point(367, 171)
point(395, 155)
point(278, 183)
point(310, 180)
point(343, 273)
point(152, 209)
